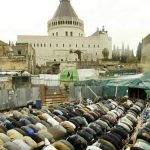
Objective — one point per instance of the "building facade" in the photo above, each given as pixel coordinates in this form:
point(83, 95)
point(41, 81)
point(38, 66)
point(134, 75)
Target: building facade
point(145, 55)
point(19, 57)
point(65, 37)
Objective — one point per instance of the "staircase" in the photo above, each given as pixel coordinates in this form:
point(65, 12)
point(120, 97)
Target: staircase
point(54, 98)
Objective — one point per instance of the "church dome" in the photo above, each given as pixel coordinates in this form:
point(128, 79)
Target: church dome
point(65, 10)
point(65, 21)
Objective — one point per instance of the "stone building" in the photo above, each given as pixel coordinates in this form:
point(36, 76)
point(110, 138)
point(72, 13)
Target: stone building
point(145, 57)
point(66, 39)
point(19, 57)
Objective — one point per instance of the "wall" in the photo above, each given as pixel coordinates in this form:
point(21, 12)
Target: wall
point(12, 99)
point(12, 64)
point(53, 48)
point(17, 57)
point(145, 54)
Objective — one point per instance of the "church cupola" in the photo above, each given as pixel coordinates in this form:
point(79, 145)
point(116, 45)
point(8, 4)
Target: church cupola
point(65, 21)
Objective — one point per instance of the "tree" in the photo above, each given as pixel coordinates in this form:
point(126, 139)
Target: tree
point(124, 56)
point(116, 55)
point(105, 53)
point(139, 52)
point(78, 52)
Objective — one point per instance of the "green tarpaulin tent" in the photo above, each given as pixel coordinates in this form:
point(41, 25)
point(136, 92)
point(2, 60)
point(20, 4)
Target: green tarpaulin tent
point(69, 75)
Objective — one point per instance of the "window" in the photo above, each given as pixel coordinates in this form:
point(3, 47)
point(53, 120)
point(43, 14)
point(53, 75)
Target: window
point(94, 46)
point(50, 45)
point(88, 45)
point(56, 33)
point(63, 45)
point(19, 52)
point(69, 45)
point(34, 44)
point(96, 53)
point(62, 60)
point(37, 45)
point(56, 45)
point(98, 46)
point(82, 45)
point(66, 33)
point(54, 59)
point(71, 33)
point(41, 45)
point(44, 45)
point(76, 45)
point(53, 34)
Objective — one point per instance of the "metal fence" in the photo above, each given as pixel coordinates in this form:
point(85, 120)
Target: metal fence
point(77, 92)
point(10, 99)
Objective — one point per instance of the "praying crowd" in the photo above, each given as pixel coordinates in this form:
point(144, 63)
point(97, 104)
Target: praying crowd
point(105, 125)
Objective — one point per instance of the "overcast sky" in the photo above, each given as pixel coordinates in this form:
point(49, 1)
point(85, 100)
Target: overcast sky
point(127, 21)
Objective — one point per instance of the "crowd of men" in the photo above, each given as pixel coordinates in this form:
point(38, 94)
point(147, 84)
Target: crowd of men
point(105, 125)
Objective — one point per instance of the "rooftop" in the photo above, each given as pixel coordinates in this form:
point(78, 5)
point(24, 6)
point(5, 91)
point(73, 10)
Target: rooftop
point(65, 10)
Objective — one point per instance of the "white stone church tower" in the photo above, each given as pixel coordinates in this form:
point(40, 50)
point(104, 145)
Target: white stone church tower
point(65, 37)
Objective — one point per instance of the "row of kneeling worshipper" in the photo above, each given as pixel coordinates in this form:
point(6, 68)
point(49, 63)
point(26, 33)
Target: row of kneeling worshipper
point(143, 137)
point(70, 127)
point(119, 135)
